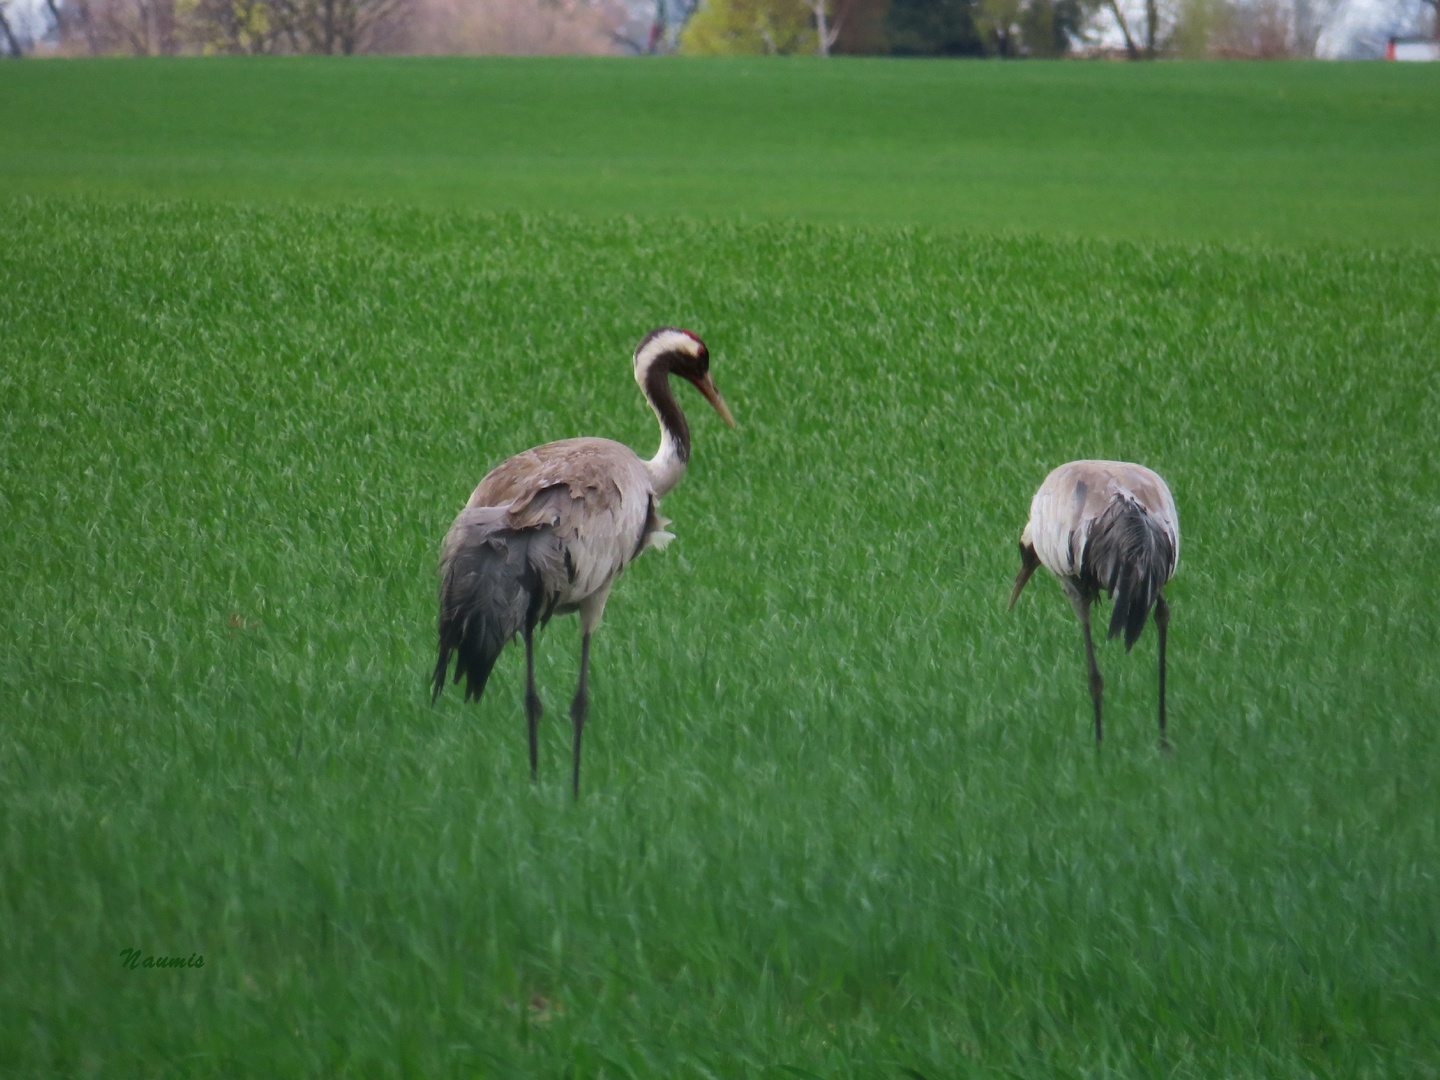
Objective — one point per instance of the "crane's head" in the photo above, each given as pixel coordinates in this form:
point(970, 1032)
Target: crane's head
point(1028, 563)
point(668, 350)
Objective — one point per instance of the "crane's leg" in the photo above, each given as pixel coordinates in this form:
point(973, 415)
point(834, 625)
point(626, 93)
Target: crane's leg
point(592, 609)
point(1162, 624)
point(1097, 684)
point(1081, 603)
point(533, 708)
point(579, 707)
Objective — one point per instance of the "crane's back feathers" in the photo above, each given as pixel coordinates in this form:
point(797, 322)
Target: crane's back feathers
point(1129, 554)
point(495, 582)
point(1105, 525)
point(543, 532)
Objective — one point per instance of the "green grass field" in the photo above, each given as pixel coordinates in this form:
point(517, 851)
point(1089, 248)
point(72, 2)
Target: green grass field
point(843, 814)
point(1282, 152)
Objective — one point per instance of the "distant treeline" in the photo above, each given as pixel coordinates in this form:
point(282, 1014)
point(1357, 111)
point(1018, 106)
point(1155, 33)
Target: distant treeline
point(1005, 28)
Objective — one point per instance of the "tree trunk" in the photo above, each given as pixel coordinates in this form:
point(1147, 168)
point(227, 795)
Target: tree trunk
point(827, 31)
point(12, 47)
point(1130, 50)
point(327, 27)
point(1152, 17)
point(54, 10)
point(164, 11)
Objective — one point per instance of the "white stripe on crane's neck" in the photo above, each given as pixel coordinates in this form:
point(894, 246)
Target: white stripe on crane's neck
point(654, 360)
point(667, 466)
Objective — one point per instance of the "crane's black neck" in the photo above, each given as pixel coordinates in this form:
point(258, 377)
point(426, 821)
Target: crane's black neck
point(662, 400)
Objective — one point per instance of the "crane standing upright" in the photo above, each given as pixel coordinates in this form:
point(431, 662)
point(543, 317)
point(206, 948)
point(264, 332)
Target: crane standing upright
point(1111, 526)
point(547, 531)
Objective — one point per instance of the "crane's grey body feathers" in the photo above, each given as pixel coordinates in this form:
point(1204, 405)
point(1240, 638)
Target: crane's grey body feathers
point(1067, 512)
point(545, 533)
point(1105, 526)
point(493, 586)
point(549, 530)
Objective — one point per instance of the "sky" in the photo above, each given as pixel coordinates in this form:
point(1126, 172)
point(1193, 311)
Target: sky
point(1363, 25)
point(26, 17)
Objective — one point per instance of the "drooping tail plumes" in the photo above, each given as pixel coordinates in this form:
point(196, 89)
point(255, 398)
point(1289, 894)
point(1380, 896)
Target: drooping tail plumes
point(1130, 554)
point(491, 588)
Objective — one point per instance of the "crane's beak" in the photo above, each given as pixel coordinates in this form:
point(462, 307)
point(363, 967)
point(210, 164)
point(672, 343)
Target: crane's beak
point(1028, 563)
point(706, 385)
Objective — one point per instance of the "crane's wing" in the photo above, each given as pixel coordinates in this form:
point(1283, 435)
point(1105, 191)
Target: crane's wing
point(595, 495)
point(1078, 494)
point(543, 532)
point(1130, 553)
point(494, 582)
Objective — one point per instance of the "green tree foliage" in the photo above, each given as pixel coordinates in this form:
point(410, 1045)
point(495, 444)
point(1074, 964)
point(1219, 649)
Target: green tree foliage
point(163, 27)
point(749, 27)
point(1039, 28)
point(235, 26)
point(933, 28)
point(336, 26)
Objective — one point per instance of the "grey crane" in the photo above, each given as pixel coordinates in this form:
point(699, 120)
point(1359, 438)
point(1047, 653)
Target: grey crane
point(548, 531)
point(1111, 526)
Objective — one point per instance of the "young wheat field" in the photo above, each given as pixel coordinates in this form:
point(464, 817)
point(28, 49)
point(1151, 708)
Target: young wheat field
point(842, 814)
point(1273, 152)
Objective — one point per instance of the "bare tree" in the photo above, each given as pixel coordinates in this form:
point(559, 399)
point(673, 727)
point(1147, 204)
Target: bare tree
point(100, 27)
point(74, 27)
point(59, 18)
point(336, 26)
point(7, 32)
point(146, 27)
point(1130, 48)
point(1254, 30)
point(138, 27)
point(1312, 19)
point(1250, 29)
point(524, 27)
